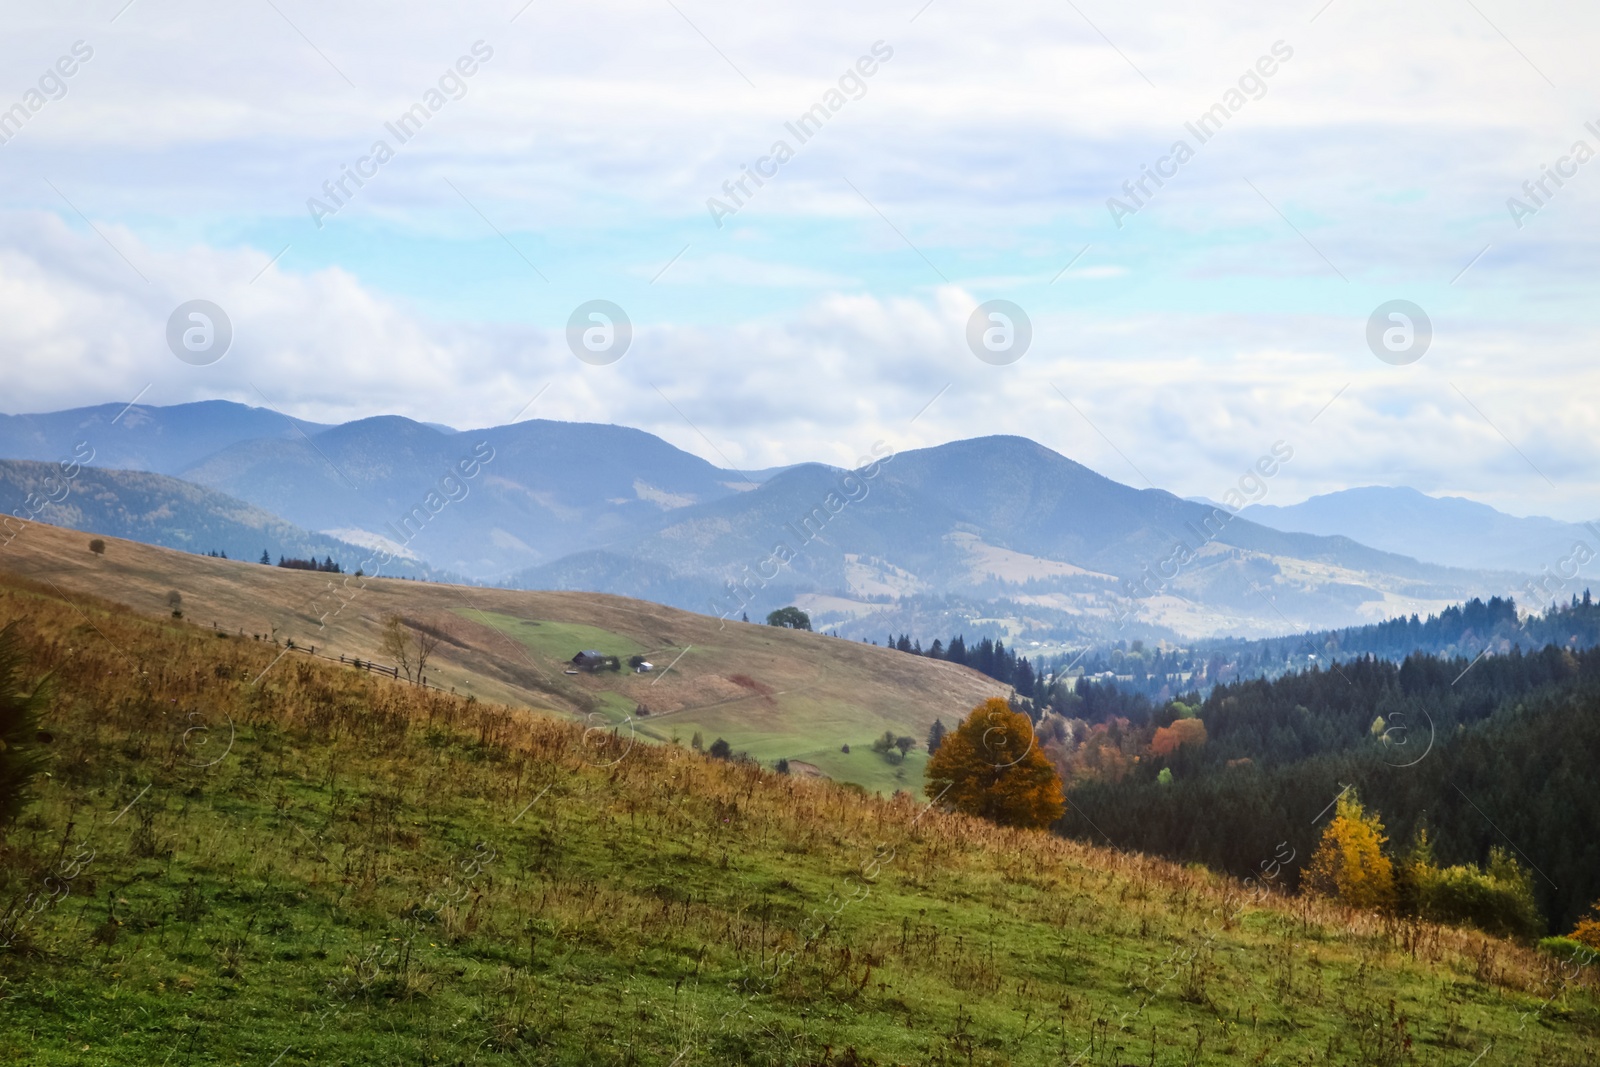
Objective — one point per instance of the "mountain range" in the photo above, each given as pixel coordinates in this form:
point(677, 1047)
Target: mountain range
point(1450, 530)
point(160, 510)
point(1002, 519)
point(161, 440)
point(995, 534)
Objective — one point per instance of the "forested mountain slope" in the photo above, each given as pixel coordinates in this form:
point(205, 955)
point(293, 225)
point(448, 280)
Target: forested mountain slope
point(1496, 752)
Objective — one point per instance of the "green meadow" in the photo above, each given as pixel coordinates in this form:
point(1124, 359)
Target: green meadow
point(325, 867)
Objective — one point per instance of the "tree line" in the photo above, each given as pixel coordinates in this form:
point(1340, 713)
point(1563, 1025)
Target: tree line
point(1496, 624)
point(990, 657)
point(327, 566)
point(1488, 753)
point(1166, 671)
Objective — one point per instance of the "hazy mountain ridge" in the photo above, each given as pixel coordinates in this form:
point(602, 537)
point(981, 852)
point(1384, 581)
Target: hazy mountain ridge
point(551, 488)
point(160, 510)
point(1449, 530)
point(161, 440)
point(932, 521)
point(544, 489)
point(989, 521)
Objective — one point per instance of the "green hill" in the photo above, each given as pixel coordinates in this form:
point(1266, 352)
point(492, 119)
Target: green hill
point(774, 693)
point(327, 867)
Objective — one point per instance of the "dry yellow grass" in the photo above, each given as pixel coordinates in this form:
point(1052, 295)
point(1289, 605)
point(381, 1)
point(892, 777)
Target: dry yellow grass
point(823, 691)
point(575, 883)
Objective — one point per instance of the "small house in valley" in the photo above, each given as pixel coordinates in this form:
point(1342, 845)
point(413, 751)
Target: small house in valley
point(592, 660)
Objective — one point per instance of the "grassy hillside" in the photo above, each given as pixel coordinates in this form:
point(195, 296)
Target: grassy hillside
point(327, 867)
point(156, 509)
point(773, 693)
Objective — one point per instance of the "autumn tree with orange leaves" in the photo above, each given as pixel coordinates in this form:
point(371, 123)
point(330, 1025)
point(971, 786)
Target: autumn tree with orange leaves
point(1182, 732)
point(992, 766)
point(1587, 932)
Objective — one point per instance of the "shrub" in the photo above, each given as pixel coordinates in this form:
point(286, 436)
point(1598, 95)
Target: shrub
point(1497, 901)
point(1563, 948)
point(97, 546)
point(886, 745)
point(720, 749)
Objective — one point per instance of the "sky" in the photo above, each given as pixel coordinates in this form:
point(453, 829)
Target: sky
point(1359, 154)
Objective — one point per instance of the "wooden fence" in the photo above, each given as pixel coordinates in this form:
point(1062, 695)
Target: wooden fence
point(364, 665)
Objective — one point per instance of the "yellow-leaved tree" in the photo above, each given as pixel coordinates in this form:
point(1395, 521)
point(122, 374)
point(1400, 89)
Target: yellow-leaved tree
point(1349, 863)
point(992, 766)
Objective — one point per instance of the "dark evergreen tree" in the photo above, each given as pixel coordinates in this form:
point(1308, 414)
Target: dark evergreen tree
point(957, 652)
point(1023, 678)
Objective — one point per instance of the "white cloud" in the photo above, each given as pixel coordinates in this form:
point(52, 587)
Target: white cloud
point(1204, 330)
point(77, 325)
